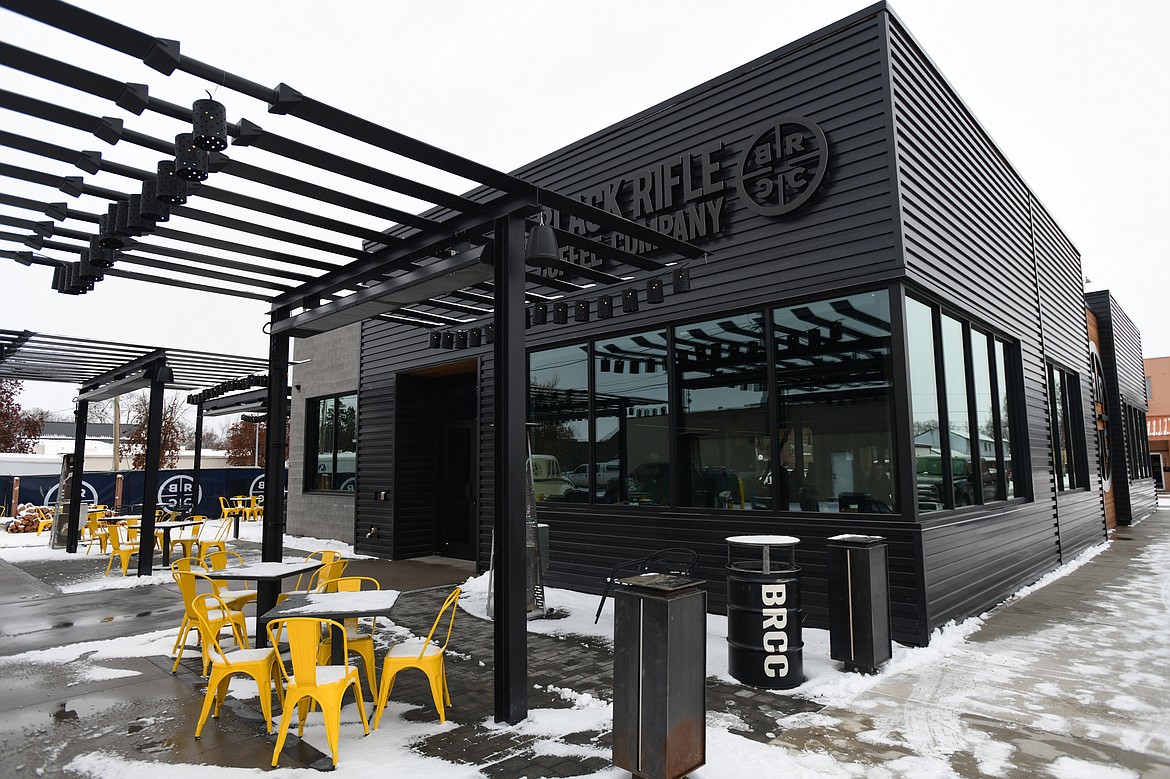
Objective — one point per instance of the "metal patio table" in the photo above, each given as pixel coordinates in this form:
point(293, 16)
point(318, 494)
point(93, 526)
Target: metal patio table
point(268, 578)
point(166, 528)
point(337, 606)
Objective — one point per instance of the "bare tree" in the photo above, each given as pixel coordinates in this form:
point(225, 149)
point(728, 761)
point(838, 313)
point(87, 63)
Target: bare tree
point(19, 431)
point(175, 431)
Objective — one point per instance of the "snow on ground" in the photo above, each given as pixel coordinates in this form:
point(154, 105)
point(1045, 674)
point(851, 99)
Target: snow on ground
point(729, 756)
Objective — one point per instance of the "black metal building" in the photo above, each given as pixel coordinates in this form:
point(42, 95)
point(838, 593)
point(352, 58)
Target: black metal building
point(887, 337)
point(1120, 410)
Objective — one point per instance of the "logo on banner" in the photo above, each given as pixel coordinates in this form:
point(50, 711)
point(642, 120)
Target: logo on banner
point(783, 166)
point(257, 487)
point(88, 494)
point(175, 493)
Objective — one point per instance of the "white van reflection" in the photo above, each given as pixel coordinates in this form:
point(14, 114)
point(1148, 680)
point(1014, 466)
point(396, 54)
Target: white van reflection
point(548, 483)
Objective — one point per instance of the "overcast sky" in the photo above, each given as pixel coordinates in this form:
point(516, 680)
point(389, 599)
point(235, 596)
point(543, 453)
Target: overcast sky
point(1073, 92)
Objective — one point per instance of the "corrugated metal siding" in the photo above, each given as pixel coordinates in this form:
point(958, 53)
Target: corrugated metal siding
point(845, 231)
point(1080, 513)
point(584, 546)
point(1121, 356)
point(968, 234)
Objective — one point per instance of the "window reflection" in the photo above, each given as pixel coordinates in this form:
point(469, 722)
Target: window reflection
point(984, 434)
point(924, 405)
point(723, 445)
point(835, 405)
point(632, 405)
point(558, 407)
point(332, 443)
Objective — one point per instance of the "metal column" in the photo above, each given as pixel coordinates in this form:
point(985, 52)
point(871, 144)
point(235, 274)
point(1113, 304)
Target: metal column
point(510, 625)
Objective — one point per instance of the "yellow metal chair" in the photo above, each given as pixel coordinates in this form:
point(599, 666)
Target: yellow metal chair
point(362, 643)
point(217, 560)
point(311, 683)
point(333, 565)
point(189, 581)
point(122, 549)
point(190, 542)
point(220, 537)
point(95, 533)
point(131, 526)
point(425, 656)
point(260, 664)
point(44, 518)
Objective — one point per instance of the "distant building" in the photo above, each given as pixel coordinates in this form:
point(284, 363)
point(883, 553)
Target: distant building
point(1157, 370)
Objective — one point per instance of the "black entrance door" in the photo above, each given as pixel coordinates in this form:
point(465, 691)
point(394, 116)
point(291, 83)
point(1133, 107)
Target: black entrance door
point(455, 488)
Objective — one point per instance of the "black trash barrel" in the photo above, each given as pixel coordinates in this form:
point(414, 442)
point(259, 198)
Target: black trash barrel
point(859, 602)
point(765, 645)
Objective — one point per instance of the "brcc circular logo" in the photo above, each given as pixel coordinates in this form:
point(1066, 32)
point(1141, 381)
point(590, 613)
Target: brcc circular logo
point(783, 165)
point(178, 493)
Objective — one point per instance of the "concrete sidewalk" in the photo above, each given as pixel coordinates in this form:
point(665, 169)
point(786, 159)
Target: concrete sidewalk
point(1068, 671)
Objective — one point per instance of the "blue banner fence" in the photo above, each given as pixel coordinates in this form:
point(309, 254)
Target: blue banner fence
point(175, 488)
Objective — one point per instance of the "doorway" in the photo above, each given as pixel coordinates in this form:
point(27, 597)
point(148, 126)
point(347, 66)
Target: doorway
point(436, 467)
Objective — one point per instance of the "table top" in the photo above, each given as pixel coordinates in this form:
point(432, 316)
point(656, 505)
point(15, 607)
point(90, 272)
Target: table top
point(172, 524)
point(272, 571)
point(335, 605)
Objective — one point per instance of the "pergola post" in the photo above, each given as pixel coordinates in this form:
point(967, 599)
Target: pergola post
point(73, 519)
point(510, 618)
point(198, 458)
point(272, 541)
point(150, 471)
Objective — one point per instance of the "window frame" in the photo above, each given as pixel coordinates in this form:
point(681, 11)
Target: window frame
point(313, 442)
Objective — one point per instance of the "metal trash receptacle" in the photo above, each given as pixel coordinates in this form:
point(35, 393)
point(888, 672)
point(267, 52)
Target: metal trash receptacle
point(765, 643)
point(659, 675)
point(859, 602)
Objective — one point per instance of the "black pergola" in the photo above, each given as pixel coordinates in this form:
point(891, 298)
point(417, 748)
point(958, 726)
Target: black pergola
point(456, 265)
point(103, 370)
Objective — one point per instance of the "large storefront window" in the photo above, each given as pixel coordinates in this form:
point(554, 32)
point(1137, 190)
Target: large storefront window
point(723, 445)
point(558, 408)
point(632, 420)
point(835, 405)
point(331, 443)
point(963, 447)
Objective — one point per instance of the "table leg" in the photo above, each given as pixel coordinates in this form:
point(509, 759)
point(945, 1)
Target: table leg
point(266, 592)
point(166, 550)
point(337, 648)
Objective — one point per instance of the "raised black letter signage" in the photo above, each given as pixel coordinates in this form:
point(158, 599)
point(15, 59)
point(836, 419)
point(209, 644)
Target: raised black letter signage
point(783, 165)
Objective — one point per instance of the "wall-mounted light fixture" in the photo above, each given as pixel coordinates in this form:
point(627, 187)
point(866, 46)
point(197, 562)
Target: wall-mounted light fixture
point(630, 300)
point(654, 291)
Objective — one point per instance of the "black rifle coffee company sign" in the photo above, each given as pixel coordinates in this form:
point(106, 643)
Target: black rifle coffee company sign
point(775, 172)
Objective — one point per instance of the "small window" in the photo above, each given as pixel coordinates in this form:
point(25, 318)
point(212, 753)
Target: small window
point(331, 444)
point(1068, 429)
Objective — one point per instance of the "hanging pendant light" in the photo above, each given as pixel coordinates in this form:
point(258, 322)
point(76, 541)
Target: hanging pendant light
point(209, 125)
point(151, 207)
point(542, 246)
point(190, 160)
point(136, 223)
point(170, 189)
point(108, 237)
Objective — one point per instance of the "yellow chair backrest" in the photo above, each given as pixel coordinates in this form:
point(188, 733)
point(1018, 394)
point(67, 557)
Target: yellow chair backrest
point(304, 636)
point(217, 559)
point(449, 603)
point(201, 605)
